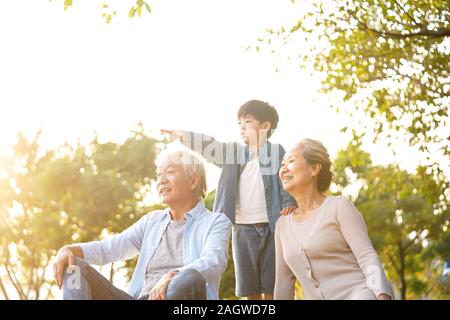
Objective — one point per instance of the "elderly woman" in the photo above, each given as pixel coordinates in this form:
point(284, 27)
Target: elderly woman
point(324, 243)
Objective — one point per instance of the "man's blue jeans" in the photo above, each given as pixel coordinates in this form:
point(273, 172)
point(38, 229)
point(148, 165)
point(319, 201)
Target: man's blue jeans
point(86, 283)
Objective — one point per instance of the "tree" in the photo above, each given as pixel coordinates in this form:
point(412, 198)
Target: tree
point(407, 216)
point(390, 58)
point(72, 194)
point(109, 12)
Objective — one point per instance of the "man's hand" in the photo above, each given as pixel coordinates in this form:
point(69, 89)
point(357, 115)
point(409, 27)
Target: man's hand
point(172, 135)
point(287, 210)
point(384, 296)
point(159, 290)
point(65, 257)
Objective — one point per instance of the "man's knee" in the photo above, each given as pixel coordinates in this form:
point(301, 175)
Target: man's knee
point(188, 280)
point(77, 270)
point(75, 283)
point(80, 262)
point(192, 275)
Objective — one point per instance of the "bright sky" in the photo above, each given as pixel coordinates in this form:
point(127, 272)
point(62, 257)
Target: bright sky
point(184, 66)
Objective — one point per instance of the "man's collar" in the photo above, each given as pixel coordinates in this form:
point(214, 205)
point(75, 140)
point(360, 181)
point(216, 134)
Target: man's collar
point(193, 213)
point(197, 210)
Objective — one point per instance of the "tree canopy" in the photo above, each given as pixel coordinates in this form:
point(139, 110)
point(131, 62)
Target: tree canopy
point(390, 58)
point(70, 194)
point(137, 7)
point(407, 217)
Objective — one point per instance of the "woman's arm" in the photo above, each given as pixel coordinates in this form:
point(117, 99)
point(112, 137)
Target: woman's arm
point(355, 233)
point(284, 278)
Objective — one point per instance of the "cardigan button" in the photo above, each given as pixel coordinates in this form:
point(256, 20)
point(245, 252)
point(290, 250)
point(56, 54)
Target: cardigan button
point(316, 286)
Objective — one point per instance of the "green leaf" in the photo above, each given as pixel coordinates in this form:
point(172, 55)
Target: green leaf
point(147, 6)
point(132, 12)
point(67, 4)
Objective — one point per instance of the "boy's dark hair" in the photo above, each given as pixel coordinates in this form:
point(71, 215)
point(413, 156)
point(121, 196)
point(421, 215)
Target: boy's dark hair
point(261, 111)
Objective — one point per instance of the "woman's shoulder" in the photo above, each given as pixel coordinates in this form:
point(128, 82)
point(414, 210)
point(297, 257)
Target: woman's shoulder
point(338, 199)
point(282, 222)
point(343, 206)
point(339, 204)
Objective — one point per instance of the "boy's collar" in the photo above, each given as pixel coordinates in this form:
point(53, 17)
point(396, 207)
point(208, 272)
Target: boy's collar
point(261, 149)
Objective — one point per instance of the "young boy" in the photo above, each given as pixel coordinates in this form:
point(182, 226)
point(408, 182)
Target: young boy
point(249, 193)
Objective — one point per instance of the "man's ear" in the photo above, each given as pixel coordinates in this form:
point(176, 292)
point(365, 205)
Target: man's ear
point(316, 169)
point(195, 180)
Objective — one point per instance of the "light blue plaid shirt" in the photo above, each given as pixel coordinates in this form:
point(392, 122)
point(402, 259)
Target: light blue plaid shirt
point(205, 246)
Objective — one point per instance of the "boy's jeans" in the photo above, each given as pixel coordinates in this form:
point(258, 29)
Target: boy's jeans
point(254, 259)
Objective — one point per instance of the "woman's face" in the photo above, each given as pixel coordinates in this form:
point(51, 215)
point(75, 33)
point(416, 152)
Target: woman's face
point(295, 172)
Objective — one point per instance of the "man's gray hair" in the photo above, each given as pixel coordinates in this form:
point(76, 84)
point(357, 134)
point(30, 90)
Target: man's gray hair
point(192, 164)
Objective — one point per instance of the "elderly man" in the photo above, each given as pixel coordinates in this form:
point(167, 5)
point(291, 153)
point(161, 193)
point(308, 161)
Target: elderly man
point(182, 250)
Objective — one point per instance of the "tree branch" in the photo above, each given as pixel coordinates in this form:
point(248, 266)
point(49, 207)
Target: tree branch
point(5, 294)
point(49, 292)
point(394, 264)
point(15, 283)
point(423, 32)
point(408, 15)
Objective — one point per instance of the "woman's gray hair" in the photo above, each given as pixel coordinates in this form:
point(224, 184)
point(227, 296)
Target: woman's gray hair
point(192, 164)
point(315, 153)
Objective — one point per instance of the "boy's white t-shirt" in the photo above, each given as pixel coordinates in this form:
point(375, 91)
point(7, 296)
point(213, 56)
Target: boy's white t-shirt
point(251, 199)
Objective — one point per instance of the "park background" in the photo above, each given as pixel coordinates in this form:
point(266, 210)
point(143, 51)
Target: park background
point(85, 87)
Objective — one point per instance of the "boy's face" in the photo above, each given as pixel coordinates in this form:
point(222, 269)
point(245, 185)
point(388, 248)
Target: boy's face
point(252, 131)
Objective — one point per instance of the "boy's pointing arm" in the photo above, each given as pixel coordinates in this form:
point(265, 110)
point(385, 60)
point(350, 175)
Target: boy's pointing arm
point(211, 149)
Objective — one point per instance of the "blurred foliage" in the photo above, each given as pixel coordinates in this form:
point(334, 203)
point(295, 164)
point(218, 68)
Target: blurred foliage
point(389, 58)
point(72, 194)
point(407, 217)
point(137, 7)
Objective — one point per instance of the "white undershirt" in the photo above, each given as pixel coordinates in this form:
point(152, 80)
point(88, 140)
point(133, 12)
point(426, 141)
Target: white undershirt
point(303, 230)
point(251, 201)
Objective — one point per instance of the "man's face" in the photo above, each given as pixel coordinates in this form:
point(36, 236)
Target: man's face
point(172, 183)
point(251, 129)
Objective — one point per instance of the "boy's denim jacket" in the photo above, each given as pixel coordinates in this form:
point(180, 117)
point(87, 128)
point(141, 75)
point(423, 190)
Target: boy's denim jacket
point(232, 158)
